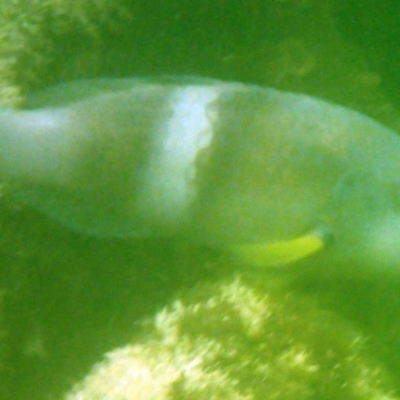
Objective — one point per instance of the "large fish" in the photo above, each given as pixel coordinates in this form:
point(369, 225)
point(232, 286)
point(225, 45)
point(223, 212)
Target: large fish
point(269, 175)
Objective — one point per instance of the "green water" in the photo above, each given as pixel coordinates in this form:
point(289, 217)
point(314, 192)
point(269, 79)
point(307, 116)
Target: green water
point(65, 298)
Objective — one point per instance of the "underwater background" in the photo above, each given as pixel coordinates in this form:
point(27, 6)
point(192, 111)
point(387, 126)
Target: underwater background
point(214, 329)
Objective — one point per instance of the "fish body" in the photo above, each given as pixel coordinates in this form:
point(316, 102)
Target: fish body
point(221, 163)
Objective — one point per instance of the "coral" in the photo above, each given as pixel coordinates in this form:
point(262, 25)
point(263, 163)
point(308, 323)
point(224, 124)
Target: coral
point(35, 33)
point(233, 341)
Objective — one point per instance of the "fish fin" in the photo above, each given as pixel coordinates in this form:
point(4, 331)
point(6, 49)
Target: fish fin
point(278, 253)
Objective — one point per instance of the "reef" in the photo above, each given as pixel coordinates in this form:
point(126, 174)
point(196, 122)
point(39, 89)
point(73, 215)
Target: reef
point(236, 341)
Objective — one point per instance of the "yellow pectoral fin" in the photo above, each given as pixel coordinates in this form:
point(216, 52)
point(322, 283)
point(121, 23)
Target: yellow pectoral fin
point(278, 253)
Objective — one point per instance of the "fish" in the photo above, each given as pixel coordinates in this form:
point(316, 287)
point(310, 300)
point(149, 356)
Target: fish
point(272, 177)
